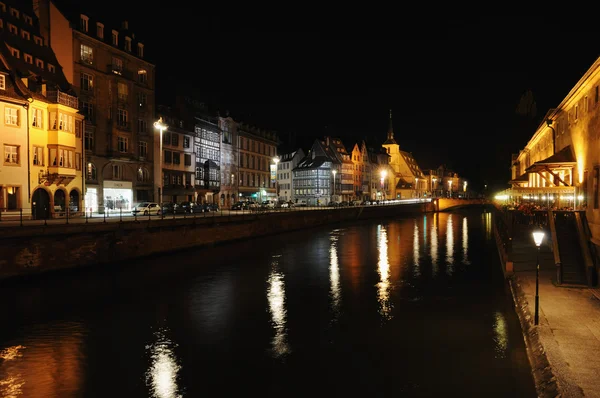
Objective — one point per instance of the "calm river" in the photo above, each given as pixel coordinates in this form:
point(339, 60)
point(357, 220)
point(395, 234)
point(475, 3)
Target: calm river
point(410, 307)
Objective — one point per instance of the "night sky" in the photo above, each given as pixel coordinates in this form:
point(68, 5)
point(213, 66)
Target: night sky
point(453, 85)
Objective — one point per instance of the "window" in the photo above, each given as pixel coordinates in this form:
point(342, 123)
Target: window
point(174, 139)
point(142, 76)
point(14, 12)
point(142, 99)
point(87, 109)
point(39, 63)
point(25, 34)
point(122, 91)
point(51, 68)
point(186, 141)
point(77, 161)
point(128, 44)
point(115, 38)
point(2, 82)
point(37, 118)
point(168, 157)
point(28, 58)
point(117, 171)
point(122, 117)
point(3, 7)
point(89, 140)
point(28, 19)
point(38, 40)
point(13, 29)
point(176, 158)
point(38, 155)
point(140, 50)
point(99, 30)
point(87, 54)
point(123, 144)
point(14, 52)
point(61, 157)
point(187, 159)
point(83, 22)
point(143, 175)
point(87, 82)
point(11, 116)
point(117, 64)
point(11, 154)
point(90, 172)
point(143, 149)
point(142, 126)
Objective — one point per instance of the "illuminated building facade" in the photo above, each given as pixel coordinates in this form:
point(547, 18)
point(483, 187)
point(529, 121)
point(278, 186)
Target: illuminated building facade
point(313, 179)
point(115, 86)
point(257, 148)
point(346, 168)
point(285, 175)
point(41, 127)
point(362, 172)
point(229, 161)
point(207, 148)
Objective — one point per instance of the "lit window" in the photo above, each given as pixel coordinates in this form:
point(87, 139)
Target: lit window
point(87, 54)
point(11, 154)
point(11, 116)
point(37, 118)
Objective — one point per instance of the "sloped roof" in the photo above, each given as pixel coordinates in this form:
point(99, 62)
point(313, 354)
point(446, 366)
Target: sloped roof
point(308, 162)
point(562, 158)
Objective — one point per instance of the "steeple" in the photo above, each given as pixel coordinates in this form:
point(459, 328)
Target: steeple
point(390, 136)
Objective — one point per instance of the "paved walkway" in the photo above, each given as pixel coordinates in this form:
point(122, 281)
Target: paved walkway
point(564, 348)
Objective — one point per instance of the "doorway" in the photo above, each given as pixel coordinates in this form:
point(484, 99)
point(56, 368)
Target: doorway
point(40, 204)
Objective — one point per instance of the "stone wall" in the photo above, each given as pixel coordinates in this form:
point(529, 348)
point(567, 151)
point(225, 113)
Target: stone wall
point(31, 250)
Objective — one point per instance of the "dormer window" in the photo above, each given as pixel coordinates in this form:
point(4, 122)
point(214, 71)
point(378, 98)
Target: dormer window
point(51, 68)
point(25, 34)
point(13, 29)
point(2, 82)
point(140, 50)
point(1, 24)
point(14, 12)
point(39, 63)
point(83, 21)
point(115, 38)
point(2, 7)
point(28, 19)
point(14, 52)
point(38, 40)
point(99, 30)
point(28, 58)
point(128, 44)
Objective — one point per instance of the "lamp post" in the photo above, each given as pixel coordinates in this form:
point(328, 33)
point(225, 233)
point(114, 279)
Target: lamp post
point(538, 237)
point(417, 186)
point(276, 160)
point(383, 174)
point(433, 180)
point(334, 171)
point(161, 127)
point(449, 188)
point(465, 188)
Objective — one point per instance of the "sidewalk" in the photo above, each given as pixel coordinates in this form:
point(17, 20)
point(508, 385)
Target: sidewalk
point(564, 349)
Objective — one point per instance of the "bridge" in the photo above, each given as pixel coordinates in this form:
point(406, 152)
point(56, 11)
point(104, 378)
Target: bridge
point(445, 204)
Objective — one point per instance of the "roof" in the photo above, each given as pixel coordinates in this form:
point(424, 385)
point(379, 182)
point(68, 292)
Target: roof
point(403, 184)
point(522, 178)
point(308, 162)
point(562, 158)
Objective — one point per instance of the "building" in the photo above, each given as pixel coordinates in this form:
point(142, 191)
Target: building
point(229, 161)
point(362, 171)
point(314, 178)
point(115, 86)
point(178, 159)
point(346, 168)
point(405, 170)
point(42, 129)
point(285, 176)
point(382, 175)
point(257, 149)
point(207, 147)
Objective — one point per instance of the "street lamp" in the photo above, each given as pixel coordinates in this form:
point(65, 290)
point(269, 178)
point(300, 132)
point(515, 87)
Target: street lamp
point(465, 188)
point(538, 237)
point(417, 186)
point(449, 188)
point(334, 171)
point(433, 180)
point(383, 174)
point(161, 127)
point(276, 160)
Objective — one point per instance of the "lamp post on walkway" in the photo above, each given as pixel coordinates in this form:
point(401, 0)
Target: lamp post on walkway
point(334, 171)
point(538, 237)
point(161, 127)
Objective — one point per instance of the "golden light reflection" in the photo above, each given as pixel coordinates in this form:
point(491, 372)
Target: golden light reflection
point(276, 298)
point(162, 375)
point(11, 385)
point(500, 335)
point(334, 275)
point(385, 308)
point(434, 246)
point(487, 223)
point(465, 240)
point(416, 249)
point(449, 245)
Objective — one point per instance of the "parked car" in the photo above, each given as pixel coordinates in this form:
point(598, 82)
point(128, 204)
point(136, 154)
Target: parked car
point(239, 206)
point(206, 207)
point(172, 208)
point(190, 207)
point(146, 208)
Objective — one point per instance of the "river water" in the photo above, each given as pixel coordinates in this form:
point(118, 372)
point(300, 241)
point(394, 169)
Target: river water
point(414, 306)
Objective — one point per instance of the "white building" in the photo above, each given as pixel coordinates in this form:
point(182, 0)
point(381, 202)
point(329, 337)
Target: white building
point(286, 164)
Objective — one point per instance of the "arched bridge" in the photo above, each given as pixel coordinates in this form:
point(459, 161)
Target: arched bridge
point(443, 204)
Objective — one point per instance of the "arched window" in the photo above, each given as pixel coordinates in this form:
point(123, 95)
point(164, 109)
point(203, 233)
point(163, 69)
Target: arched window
point(91, 173)
point(143, 175)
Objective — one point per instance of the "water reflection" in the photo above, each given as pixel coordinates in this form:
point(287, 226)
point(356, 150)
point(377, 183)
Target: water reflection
point(276, 298)
point(161, 377)
point(47, 363)
point(487, 223)
point(383, 267)
point(434, 246)
point(500, 335)
point(334, 275)
point(465, 241)
point(449, 245)
point(416, 249)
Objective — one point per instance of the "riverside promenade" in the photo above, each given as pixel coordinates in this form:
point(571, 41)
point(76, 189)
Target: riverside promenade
point(564, 349)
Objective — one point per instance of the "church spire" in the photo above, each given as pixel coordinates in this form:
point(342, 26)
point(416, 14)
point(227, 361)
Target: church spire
point(390, 135)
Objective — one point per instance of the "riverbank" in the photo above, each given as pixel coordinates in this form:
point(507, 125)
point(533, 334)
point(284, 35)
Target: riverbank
point(32, 250)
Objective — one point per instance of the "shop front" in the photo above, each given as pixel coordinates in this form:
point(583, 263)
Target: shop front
point(117, 196)
point(91, 198)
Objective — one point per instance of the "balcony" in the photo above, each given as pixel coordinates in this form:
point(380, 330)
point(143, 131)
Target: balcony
point(123, 125)
point(63, 98)
point(119, 71)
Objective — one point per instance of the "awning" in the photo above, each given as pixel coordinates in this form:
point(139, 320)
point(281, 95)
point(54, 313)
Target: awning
point(561, 159)
point(522, 178)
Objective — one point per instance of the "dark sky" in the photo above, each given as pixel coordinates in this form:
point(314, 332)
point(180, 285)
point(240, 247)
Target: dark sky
point(453, 84)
